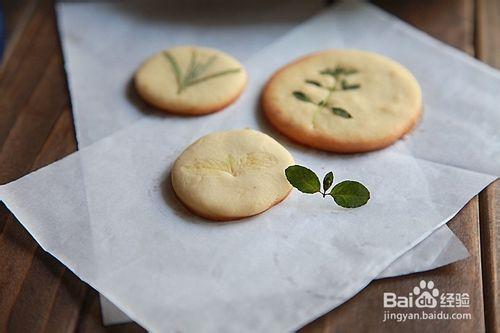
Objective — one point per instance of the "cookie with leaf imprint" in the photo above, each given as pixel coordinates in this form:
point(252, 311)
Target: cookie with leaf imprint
point(233, 174)
point(190, 80)
point(344, 101)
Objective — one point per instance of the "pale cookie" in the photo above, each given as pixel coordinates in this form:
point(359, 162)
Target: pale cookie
point(344, 101)
point(190, 80)
point(232, 174)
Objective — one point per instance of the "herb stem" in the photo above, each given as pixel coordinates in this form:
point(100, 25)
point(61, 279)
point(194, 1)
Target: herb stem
point(212, 76)
point(321, 106)
point(195, 70)
point(176, 69)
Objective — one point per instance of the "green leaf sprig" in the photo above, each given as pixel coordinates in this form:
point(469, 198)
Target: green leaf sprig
point(347, 194)
point(196, 71)
point(301, 96)
point(339, 73)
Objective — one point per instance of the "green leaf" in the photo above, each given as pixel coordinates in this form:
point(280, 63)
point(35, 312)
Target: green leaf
point(191, 71)
point(301, 96)
point(195, 70)
point(350, 194)
point(327, 181)
point(302, 179)
point(330, 71)
point(347, 86)
point(313, 82)
point(212, 76)
point(341, 112)
point(339, 70)
point(176, 69)
point(349, 71)
point(203, 67)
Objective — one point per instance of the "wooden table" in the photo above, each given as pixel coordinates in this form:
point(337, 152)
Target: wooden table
point(38, 294)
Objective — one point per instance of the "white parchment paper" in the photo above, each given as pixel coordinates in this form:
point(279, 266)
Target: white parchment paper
point(272, 272)
point(440, 248)
point(101, 107)
point(115, 37)
point(95, 37)
point(119, 35)
point(169, 270)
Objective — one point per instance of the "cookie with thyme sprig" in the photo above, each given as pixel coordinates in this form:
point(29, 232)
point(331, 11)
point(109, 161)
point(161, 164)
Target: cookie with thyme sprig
point(344, 101)
point(190, 80)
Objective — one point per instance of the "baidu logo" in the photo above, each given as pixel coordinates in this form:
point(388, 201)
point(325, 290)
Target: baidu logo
point(424, 295)
point(427, 302)
point(427, 295)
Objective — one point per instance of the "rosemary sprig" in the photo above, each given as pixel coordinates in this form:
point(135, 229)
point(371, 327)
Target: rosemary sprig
point(212, 76)
point(175, 68)
point(196, 71)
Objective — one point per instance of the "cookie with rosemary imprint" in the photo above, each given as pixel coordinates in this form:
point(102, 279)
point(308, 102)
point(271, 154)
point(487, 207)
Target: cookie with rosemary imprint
point(190, 80)
point(344, 101)
point(230, 175)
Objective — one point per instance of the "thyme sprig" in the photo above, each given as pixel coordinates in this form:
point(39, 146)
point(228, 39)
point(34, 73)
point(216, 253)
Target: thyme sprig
point(321, 104)
point(196, 71)
point(339, 73)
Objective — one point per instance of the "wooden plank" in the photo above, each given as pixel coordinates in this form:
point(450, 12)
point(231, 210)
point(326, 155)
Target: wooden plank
point(488, 50)
point(37, 117)
point(488, 32)
point(452, 22)
point(17, 249)
point(68, 292)
point(489, 204)
point(24, 70)
point(37, 293)
point(90, 320)
point(17, 14)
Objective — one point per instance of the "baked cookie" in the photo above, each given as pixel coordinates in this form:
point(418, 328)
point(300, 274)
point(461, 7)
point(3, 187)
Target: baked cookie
point(190, 80)
point(345, 101)
point(232, 174)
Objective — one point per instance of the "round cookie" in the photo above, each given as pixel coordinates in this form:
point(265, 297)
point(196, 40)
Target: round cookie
point(232, 174)
point(190, 80)
point(344, 101)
